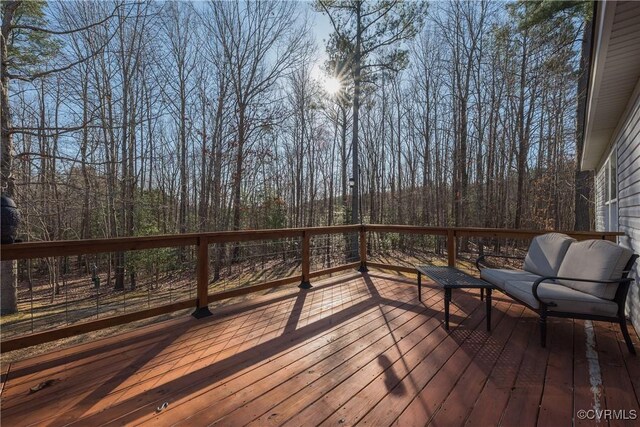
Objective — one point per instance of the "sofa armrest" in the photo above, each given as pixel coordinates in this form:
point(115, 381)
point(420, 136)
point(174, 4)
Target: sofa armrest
point(481, 259)
point(554, 279)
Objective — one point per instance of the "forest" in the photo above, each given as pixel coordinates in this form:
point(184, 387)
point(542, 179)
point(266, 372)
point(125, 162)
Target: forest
point(138, 118)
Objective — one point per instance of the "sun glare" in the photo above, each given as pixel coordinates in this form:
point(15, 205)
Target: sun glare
point(332, 85)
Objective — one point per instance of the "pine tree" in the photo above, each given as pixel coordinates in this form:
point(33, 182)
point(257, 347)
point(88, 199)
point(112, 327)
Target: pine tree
point(540, 11)
point(369, 37)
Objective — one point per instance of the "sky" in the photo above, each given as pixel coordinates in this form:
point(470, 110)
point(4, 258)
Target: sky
point(321, 27)
point(321, 24)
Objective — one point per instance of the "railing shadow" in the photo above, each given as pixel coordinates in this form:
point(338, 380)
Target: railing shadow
point(142, 404)
point(190, 383)
point(144, 335)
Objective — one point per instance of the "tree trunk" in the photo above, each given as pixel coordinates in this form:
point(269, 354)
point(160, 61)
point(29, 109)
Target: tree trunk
point(523, 144)
point(9, 278)
point(355, 195)
point(237, 179)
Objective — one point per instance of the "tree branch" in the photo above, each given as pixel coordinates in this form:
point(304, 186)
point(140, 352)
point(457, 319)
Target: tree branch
point(333, 22)
point(45, 73)
point(65, 32)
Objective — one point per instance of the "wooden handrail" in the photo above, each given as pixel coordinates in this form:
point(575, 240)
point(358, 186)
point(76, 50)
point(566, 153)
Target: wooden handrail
point(453, 233)
point(29, 250)
point(486, 232)
point(406, 229)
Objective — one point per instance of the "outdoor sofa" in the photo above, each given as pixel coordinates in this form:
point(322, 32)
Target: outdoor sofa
point(562, 277)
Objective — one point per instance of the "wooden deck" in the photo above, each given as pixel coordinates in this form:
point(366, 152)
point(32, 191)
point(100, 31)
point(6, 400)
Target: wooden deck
point(357, 349)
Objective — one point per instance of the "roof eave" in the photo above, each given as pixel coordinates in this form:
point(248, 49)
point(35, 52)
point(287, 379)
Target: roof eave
point(604, 14)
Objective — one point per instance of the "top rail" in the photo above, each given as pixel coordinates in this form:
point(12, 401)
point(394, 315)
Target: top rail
point(29, 250)
point(487, 232)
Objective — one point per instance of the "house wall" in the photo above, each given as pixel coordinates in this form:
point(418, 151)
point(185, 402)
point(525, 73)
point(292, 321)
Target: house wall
point(600, 195)
point(627, 142)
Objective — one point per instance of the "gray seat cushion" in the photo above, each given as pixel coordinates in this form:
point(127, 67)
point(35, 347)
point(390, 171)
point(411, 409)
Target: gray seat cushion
point(499, 276)
point(546, 253)
point(594, 260)
point(567, 299)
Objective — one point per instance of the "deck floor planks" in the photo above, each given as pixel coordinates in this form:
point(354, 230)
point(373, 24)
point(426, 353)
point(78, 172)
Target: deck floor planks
point(618, 390)
point(492, 400)
point(630, 360)
point(4, 375)
point(270, 378)
point(334, 394)
point(350, 357)
point(226, 331)
point(349, 371)
point(81, 377)
point(435, 388)
point(168, 378)
point(286, 336)
point(104, 358)
point(101, 370)
point(460, 402)
point(53, 367)
point(184, 387)
point(420, 370)
point(524, 399)
point(368, 331)
point(556, 406)
point(151, 331)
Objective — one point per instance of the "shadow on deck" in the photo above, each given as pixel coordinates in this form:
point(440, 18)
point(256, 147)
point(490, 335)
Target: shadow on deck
point(354, 349)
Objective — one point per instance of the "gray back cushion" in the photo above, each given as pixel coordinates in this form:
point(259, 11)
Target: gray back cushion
point(546, 253)
point(594, 260)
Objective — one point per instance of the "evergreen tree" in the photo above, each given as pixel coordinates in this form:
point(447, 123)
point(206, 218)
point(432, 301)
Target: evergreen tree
point(538, 12)
point(23, 48)
point(27, 42)
point(369, 37)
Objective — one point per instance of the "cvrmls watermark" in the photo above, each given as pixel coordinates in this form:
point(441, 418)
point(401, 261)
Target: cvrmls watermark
point(607, 414)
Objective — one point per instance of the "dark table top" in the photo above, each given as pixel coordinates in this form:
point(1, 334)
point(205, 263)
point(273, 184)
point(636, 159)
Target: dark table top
point(451, 277)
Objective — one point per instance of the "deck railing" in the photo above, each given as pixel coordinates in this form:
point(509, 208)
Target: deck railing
point(202, 242)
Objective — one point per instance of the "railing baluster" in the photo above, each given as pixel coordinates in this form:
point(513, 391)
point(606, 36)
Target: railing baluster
point(451, 247)
point(363, 250)
point(202, 304)
point(306, 260)
point(30, 250)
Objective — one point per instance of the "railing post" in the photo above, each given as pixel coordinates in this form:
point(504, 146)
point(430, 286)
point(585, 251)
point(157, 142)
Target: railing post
point(202, 301)
point(306, 262)
point(451, 247)
point(363, 250)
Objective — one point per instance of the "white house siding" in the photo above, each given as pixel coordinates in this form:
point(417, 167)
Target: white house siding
point(628, 142)
point(600, 208)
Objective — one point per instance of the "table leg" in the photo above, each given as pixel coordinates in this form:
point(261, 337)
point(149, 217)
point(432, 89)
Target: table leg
point(419, 286)
point(488, 297)
point(447, 300)
point(481, 294)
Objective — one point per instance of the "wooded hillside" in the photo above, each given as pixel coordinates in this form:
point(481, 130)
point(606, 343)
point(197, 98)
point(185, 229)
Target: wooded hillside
point(145, 118)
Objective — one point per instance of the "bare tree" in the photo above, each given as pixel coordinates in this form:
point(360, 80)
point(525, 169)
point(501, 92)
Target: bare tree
point(261, 41)
point(26, 40)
